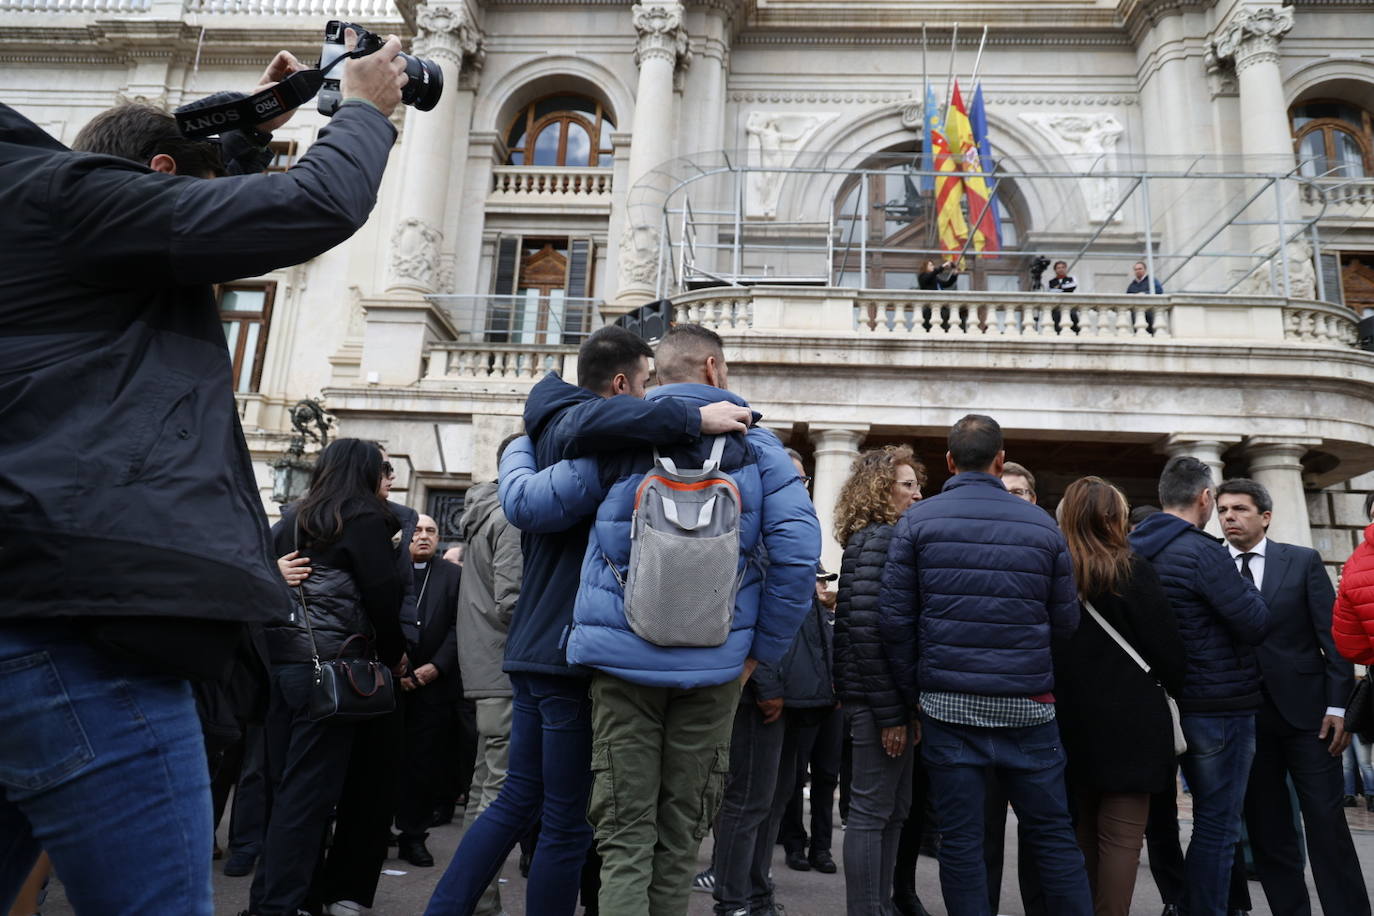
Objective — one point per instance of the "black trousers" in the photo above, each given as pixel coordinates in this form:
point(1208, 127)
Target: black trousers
point(1166, 854)
point(315, 769)
point(243, 769)
point(914, 829)
point(1283, 752)
point(818, 749)
point(427, 764)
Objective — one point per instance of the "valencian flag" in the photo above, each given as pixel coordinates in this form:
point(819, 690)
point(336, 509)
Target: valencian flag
point(978, 118)
point(959, 134)
point(949, 196)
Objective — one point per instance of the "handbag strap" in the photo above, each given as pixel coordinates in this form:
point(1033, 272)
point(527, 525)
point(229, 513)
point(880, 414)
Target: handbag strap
point(300, 593)
point(1120, 640)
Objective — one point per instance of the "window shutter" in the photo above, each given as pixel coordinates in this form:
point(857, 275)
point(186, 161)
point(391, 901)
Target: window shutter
point(577, 318)
point(504, 280)
point(1331, 277)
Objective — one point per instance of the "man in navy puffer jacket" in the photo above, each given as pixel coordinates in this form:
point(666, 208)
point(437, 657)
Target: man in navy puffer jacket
point(978, 584)
point(550, 739)
point(662, 716)
point(1220, 617)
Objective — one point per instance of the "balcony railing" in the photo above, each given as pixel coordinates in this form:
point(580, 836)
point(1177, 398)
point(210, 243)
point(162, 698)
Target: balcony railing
point(75, 6)
point(797, 311)
point(485, 362)
point(524, 186)
point(374, 10)
point(1340, 195)
point(530, 319)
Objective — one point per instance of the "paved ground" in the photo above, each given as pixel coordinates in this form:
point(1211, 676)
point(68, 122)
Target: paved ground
point(802, 893)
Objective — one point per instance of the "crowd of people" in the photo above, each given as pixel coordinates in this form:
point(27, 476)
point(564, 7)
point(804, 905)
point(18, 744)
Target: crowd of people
point(640, 648)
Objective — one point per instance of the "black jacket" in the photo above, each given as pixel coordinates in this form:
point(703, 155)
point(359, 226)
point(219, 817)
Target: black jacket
point(566, 421)
point(125, 483)
point(805, 676)
point(1302, 672)
point(1112, 715)
point(353, 589)
point(435, 640)
point(862, 673)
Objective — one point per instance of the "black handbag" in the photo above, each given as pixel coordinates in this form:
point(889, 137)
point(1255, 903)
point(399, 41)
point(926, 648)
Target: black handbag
point(1359, 711)
point(347, 689)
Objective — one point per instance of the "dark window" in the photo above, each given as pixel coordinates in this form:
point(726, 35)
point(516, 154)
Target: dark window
point(245, 310)
point(446, 508)
point(559, 131)
point(1333, 140)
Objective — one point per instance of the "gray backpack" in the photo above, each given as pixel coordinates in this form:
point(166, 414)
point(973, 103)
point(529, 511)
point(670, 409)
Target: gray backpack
point(684, 554)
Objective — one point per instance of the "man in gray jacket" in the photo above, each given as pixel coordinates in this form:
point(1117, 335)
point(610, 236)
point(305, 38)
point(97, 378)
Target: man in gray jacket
point(486, 600)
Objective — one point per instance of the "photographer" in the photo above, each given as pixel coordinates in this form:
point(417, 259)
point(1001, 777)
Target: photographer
point(117, 428)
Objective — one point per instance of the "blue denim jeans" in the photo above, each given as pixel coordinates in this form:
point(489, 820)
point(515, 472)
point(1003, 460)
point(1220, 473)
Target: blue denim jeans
point(1029, 763)
point(549, 777)
point(1217, 766)
point(103, 766)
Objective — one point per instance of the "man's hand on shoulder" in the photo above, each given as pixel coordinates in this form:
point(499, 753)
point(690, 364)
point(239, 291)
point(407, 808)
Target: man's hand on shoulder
point(723, 417)
point(377, 78)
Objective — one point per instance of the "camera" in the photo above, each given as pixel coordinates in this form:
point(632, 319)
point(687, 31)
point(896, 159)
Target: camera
point(1038, 265)
point(424, 79)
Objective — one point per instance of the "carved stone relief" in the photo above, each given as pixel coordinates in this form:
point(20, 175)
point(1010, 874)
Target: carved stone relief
point(639, 257)
point(1085, 141)
point(415, 252)
point(774, 139)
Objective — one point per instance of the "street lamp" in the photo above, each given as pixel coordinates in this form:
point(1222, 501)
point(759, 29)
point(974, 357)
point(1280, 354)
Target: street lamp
point(291, 472)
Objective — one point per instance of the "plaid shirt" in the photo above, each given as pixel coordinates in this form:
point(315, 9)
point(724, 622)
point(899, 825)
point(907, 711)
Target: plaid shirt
point(985, 712)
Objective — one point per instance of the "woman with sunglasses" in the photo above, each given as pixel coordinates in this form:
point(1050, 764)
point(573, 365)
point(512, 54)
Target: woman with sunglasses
point(349, 588)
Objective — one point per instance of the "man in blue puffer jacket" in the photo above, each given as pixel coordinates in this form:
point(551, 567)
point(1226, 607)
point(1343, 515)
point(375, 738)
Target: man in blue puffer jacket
point(1220, 617)
point(662, 716)
point(550, 738)
point(977, 586)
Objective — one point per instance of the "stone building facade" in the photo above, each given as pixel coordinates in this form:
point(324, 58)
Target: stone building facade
point(752, 161)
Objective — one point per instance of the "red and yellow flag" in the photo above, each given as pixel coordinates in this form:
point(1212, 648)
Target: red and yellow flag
point(964, 148)
point(949, 197)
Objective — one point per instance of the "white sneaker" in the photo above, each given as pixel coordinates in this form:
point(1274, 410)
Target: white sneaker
point(346, 908)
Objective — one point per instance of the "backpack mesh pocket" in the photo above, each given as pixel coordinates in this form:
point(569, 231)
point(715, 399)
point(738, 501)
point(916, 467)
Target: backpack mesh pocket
point(681, 590)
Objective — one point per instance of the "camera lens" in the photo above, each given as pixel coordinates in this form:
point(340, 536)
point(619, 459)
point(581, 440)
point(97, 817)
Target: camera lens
point(424, 83)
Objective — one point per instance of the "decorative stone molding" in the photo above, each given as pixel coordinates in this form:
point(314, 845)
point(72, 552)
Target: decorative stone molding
point(415, 253)
point(1221, 80)
point(784, 97)
point(1252, 36)
point(1085, 140)
point(774, 140)
point(639, 257)
point(661, 33)
point(446, 32)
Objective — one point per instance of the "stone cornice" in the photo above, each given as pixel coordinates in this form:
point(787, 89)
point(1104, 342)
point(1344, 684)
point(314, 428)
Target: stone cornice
point(1093, 38)
point(1140, 16)
point(839, 96)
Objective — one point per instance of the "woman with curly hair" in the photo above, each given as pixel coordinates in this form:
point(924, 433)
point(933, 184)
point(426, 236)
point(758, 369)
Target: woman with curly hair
point(882, 484)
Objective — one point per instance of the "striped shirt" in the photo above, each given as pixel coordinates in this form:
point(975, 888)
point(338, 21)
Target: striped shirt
point(985, 712)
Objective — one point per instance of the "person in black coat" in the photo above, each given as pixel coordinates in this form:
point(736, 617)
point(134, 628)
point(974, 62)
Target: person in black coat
point(1113, 716)
point(350, 598)
point(882, 485)
point(428, 694)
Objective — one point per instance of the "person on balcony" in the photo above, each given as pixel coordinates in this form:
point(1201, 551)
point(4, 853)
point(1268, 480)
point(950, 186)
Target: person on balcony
point(1142, 280)
point(1062, 281)
point(945, 276)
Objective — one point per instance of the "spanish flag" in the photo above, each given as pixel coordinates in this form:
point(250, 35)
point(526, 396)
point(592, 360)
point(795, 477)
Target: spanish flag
point(949, 196)
point(964, 148)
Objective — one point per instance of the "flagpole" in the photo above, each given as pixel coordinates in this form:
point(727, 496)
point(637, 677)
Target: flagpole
point(953, 42)
point(973, 78)
point(973, 226)
point(925, 81)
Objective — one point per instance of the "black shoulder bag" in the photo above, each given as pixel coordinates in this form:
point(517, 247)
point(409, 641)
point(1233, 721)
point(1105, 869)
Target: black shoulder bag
point(346, 689)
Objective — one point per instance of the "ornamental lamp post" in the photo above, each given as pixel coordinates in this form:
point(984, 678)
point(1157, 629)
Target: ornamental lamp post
point(291, 472)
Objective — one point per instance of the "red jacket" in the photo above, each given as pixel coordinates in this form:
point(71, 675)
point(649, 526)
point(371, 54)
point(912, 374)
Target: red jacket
point(1352, 621)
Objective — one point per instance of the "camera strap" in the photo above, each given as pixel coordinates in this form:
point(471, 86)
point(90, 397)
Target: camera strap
point(198, 120)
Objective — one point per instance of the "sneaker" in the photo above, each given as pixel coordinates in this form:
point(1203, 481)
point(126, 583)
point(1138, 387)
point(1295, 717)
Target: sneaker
point(346, 908)
point(705, 882)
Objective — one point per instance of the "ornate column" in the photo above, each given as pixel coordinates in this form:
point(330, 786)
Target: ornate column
point(1277, 464)
point(1208, 450)
point(836, 448)
point(662, 46)
point(1251, 41)
point(448, 36)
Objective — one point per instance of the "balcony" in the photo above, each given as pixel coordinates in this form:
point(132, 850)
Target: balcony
point(502, 364)
point(518, 188)
point(376, 11)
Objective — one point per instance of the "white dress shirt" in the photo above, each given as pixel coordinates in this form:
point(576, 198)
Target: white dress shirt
point(1257, 570)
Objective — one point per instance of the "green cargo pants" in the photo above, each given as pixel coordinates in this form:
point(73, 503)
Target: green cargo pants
point(659, 761)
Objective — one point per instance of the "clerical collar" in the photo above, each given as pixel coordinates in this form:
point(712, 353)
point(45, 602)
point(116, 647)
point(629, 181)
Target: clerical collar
point(421, 565)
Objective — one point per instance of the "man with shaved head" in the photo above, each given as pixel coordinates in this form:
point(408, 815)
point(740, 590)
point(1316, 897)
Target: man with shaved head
point(428, 696)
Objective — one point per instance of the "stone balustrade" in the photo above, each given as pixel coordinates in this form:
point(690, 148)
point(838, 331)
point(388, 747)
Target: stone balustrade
point(521, 186)
point(75, 6)
point(982, 316)
point(1340, 195)
point(477, 361)
point(374, 10)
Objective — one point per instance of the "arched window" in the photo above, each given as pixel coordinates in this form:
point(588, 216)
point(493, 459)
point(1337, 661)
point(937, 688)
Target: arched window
point(1333, 140)
point(561, 130)
point(901, 233)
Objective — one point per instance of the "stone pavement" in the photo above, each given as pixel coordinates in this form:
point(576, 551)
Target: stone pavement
point(802, 893)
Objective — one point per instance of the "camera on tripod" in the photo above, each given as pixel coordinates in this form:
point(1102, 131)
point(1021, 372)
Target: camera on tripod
point(424, 79)
point(1038, 265)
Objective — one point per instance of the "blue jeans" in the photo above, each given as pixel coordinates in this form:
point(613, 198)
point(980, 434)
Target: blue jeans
point(549, 777)
point(1217, 765)
point(103, 766)
point(1029, 762)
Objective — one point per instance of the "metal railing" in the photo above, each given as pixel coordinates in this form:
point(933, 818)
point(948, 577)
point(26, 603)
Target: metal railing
point(525, 319)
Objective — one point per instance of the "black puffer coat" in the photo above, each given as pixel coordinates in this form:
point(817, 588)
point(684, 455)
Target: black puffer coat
point(862, 674)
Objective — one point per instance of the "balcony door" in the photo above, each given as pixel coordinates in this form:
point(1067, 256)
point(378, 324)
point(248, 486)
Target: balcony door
point(542, 289)
point(541, 292)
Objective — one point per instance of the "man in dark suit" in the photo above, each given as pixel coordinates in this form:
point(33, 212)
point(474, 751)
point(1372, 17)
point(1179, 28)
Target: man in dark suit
point(1299, 731)
point(427, 693)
